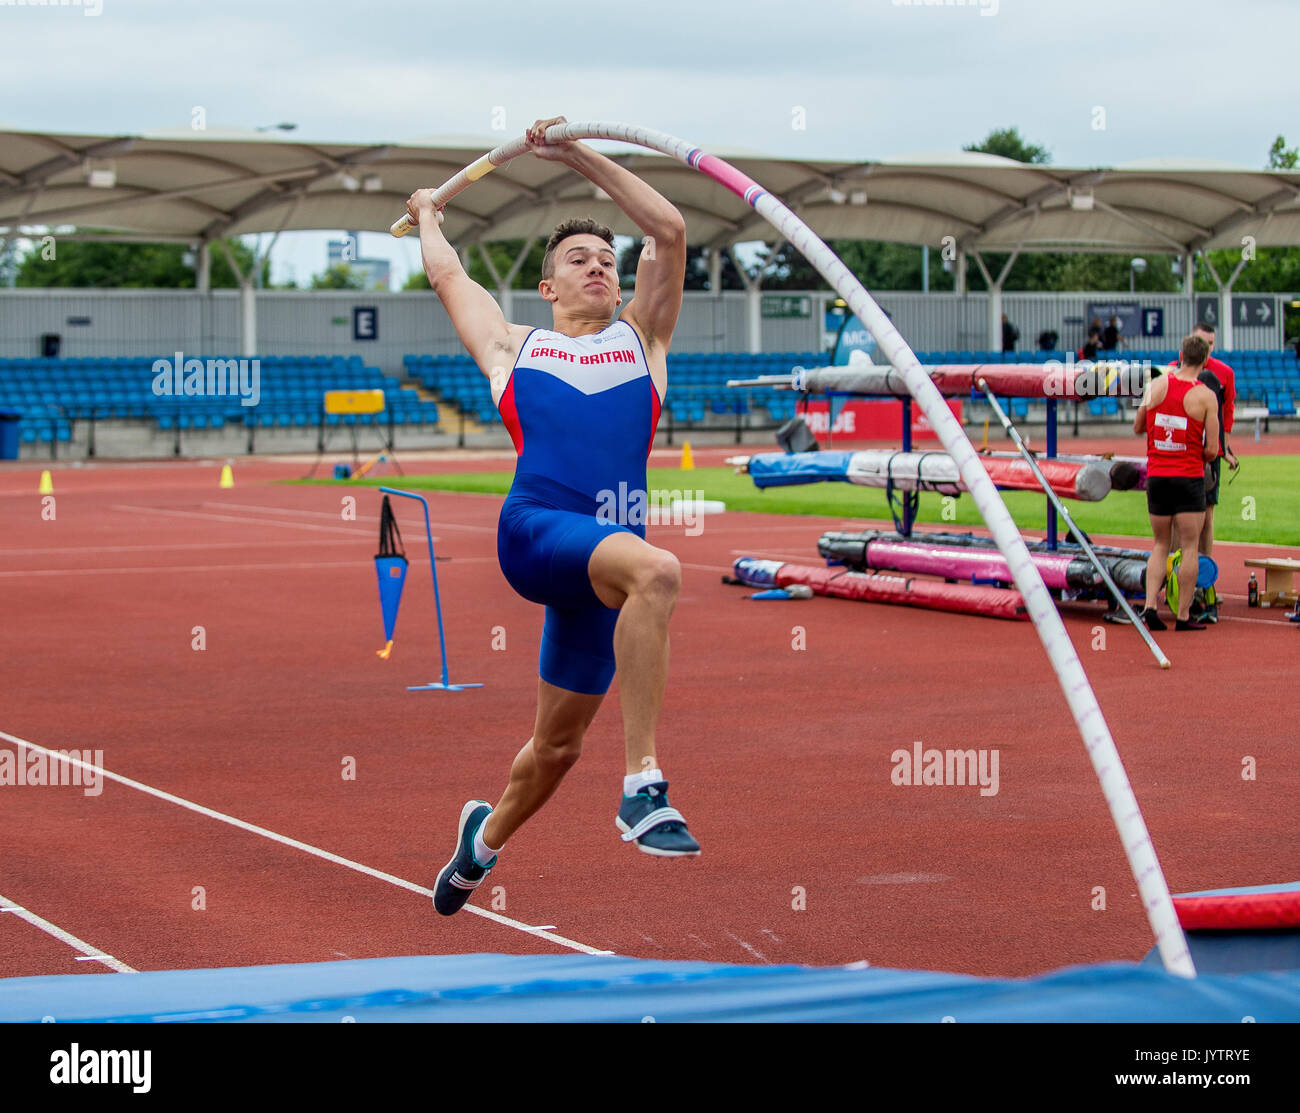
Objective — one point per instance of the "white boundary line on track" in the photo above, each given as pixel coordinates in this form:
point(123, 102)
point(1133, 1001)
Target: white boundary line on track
point(279, 543)
point(160, 568)
point(306, 848)
point(88, 953)
point(244, 521)
point(331, 514)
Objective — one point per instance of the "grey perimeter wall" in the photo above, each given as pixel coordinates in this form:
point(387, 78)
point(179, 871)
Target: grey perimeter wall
point(152, 322)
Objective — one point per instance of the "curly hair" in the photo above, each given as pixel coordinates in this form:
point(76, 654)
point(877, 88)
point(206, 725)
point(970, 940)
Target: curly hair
point(580, 227)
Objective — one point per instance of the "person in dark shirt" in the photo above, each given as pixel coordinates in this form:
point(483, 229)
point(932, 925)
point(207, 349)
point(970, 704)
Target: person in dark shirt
point(1110, 335)
point(1093, 343)
point(1010, 334)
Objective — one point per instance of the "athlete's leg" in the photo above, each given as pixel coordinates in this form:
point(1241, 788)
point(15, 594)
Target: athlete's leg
point(642, 581)
point(562, 720)
point(1207, 532)
point(1160, 527)
point(1189, 526)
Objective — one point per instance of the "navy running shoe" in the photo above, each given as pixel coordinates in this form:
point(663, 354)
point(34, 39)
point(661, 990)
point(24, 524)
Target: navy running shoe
point(463, 874)
point(656, 827)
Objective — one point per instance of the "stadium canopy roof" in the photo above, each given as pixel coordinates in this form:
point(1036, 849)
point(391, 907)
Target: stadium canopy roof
point(192, 186)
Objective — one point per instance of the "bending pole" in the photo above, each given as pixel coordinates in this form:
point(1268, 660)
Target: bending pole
point(1079, 535)
point(1078, 692)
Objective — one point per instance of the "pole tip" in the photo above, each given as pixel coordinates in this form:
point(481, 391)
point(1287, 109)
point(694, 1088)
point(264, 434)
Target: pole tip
point(1164, 662)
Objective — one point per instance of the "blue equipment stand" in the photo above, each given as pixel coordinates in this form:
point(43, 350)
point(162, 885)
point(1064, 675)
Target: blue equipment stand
point(446, 685)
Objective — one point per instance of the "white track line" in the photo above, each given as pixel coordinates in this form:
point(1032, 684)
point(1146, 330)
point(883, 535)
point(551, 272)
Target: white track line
point(332, 514)
point(88, 953)
point(158, 569)
point(306, 848)
point(282, 542)
point(244, 521)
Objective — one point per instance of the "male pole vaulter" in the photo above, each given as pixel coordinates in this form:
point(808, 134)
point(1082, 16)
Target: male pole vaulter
point(581, 401)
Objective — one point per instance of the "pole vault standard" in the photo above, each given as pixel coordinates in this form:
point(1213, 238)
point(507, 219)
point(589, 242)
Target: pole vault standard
point(1078, 692)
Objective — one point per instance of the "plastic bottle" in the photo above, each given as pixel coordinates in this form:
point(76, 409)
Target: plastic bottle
point(1252, 591)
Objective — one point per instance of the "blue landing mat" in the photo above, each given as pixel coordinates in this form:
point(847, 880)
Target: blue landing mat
point(488, 987)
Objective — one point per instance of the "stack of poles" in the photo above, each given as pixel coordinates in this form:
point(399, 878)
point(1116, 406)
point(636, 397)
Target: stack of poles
point(1079, 696)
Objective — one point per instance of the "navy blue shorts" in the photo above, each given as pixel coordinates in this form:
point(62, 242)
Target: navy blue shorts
point(544, 550)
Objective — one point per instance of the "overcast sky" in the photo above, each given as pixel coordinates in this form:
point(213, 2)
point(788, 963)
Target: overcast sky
point(875, 78)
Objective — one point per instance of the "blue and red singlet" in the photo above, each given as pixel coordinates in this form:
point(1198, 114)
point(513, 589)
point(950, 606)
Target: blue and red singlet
point(582, 413)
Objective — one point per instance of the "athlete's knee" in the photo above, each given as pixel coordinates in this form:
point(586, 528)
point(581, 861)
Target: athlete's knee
point(558, 751)
point(658, 576)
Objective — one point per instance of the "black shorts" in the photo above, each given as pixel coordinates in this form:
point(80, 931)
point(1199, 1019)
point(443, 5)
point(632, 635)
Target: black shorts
point(1212, 494)
point(1168, 495)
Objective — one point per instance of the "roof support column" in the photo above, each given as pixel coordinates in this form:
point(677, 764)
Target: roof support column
point(1225, 302)
point(247, 304)
point(504, 283)
point(715, 272)
point(995, 297)
point(248, 318)
point(203, 268)
point(504, 298)
point(753, 305)
point(203, 284)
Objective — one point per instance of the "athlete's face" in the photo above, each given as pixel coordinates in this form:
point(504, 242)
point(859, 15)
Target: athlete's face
point(585, 276)
point(1208, 337)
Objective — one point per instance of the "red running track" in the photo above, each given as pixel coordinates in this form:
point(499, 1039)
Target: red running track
point(779, 756)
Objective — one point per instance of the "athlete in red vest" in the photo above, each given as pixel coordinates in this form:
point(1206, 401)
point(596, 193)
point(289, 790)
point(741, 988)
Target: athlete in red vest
point(1180, 419)
point(1226, 392)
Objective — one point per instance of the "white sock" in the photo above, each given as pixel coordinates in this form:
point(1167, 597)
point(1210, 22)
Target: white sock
point(634, 782)
point(482, 852)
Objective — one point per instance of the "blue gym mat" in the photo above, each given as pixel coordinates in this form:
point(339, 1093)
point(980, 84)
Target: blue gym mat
point(488, 987)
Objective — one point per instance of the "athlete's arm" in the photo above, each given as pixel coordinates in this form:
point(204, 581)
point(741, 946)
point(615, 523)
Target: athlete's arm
point(661, 272)
point(1210, 404)
point(488, 337)
point(1230, 400)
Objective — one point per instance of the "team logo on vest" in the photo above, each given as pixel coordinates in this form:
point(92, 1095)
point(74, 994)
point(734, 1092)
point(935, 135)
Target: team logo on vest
point(1170, 422)
point(619, 355)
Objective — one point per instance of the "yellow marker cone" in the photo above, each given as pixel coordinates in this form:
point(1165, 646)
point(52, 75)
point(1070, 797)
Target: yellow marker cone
point(688, 461)
point(227, 477)
point(47, 484)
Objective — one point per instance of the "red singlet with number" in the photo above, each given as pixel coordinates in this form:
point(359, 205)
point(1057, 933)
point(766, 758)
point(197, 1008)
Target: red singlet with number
point(1175, 441)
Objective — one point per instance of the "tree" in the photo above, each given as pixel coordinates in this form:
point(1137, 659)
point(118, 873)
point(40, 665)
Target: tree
point(503, 256)
point(1008, 143)
point(697, 268)
point(338, 277)
point(1282, 157)
point(87, 264)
